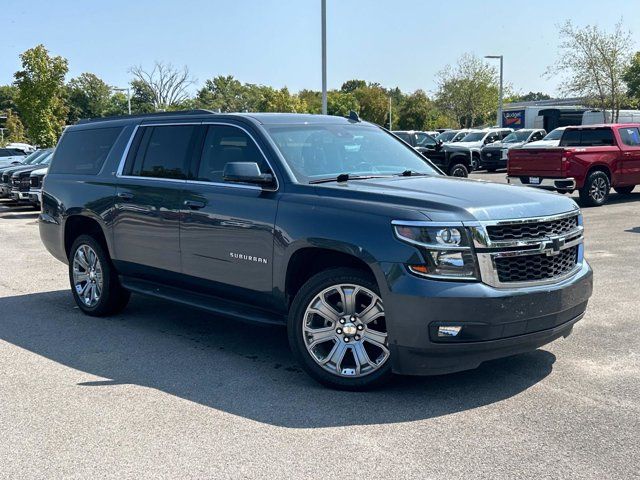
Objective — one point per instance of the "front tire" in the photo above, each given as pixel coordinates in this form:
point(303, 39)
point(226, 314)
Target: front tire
point(337, 330)
point(595, 191)
point(459, 170)
point(94, 282)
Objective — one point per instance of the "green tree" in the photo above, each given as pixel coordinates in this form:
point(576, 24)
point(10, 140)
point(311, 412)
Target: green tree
point(8, 94)
point(88, 97)
point(40, 98)
point(351, 86)
point(530, 97)
point(141, 98)
point(313, 100)
point(374, 103)
point(416, 112)
point(631, 78)
point(468, 91)
point(117, 105)
point(14, 129)
point(594, 63)
point(224, 93)
point(341, 103)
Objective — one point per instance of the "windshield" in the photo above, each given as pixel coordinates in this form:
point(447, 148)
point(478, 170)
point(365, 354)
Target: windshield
point(459, 136)
point(446, 136)
point(315, 152)
point(474, 137)
point(519, 136)
point(554, 134)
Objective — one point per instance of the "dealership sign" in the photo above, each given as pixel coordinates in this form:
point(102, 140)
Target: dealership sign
point(513, 119)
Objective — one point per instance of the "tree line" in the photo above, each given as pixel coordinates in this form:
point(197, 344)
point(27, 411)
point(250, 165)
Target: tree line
point(592, 63)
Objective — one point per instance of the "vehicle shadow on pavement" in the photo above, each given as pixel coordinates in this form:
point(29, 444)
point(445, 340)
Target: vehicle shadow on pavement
point(242, 369)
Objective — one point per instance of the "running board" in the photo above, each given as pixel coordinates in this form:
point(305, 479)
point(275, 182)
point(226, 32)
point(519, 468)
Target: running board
point(211, 304)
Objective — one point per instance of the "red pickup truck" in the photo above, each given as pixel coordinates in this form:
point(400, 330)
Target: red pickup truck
point(590, 159)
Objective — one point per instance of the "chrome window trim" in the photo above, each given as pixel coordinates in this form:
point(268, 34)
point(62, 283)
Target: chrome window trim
point(125, 154)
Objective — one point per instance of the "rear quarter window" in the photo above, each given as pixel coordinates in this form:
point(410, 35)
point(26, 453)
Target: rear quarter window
point(83, 152)
point(596, 137)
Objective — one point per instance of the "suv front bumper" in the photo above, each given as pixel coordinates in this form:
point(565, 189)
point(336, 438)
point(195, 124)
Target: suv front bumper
point(495, 323)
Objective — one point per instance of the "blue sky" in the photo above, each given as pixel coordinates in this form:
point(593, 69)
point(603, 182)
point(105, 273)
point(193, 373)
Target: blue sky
point(277, 42)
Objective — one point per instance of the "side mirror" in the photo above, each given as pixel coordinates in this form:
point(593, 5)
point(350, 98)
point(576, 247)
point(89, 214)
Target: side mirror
point(439, 144)
point(246, 172)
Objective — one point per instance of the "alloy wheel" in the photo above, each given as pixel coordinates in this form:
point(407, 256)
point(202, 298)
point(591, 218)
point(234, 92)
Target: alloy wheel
point(344, 331)
point(88, 280)
point(598, 189)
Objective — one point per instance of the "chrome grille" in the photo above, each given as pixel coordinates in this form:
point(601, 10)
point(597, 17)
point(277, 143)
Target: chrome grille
point(35, 182)
point(529, 268)
point(526, 252)
point(532, 230)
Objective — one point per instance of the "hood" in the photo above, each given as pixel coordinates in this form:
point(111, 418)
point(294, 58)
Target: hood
point(40, 171)
point(443, 198)
point(469, 144)
point(506, 145)
point(542, 144)
point(453, 147)
point(26, 171)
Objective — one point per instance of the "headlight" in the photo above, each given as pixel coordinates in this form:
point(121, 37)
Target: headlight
point(446, 250)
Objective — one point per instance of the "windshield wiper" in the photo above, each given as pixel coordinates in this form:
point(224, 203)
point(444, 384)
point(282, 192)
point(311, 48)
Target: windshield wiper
point(343, 177)
point(411, 173)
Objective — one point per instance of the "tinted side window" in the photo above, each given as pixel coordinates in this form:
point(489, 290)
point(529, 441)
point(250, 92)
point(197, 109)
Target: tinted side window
point(164, 152)
point(224, 144)
point(597, 137)
point(404, 136)
point(424, 140)
point(630, 136)
point(83, 152)
point(4, 152)
point(570, 138)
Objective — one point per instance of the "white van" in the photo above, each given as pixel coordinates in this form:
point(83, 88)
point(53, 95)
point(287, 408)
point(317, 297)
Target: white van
point(596, 117)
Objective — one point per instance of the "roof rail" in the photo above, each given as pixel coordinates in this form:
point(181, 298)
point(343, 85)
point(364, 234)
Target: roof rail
point(177, 113)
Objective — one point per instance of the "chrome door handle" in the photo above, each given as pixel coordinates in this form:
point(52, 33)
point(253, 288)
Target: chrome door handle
point(194, 204)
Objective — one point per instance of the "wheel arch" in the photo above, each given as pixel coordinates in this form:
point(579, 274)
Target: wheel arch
point(82, 223)
point(308, 260)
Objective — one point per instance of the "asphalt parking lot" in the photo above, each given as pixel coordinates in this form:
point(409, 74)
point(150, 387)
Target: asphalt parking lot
point(166, 392)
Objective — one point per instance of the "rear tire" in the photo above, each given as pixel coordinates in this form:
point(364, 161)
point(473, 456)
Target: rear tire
point(624, 190)
point(326, 306)
point(94, 282)
point(459, 170)
point(595, 191)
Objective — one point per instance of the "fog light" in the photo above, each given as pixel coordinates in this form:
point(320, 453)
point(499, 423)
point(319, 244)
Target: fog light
point(448, 331)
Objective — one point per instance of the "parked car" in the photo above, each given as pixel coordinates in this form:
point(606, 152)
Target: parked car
point(23, 147)
point(6, 172)
point(494, 155)
point(375, 261)
point(552, 139)
point(476, 139)
point(21, 181)
point(455, 162)
point(452, 136)
point(590, 159)
point(35, 189)
point(11, 156)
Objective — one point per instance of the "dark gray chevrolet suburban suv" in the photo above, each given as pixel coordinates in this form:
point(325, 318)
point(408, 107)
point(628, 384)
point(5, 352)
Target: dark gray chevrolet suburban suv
point(375, 261)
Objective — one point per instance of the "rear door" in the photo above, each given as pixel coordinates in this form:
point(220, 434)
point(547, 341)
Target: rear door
point(227, 232)
point(630, 138)
point(150, 184)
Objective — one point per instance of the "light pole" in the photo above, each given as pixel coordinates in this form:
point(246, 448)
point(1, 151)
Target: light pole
point(499, 123)
point(390, 113)
point(128, 90)
point(324, 56)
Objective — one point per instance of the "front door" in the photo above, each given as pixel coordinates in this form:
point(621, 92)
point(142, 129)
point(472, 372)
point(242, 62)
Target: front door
point(146, 226)
point(227, 229)
point(630, 137)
